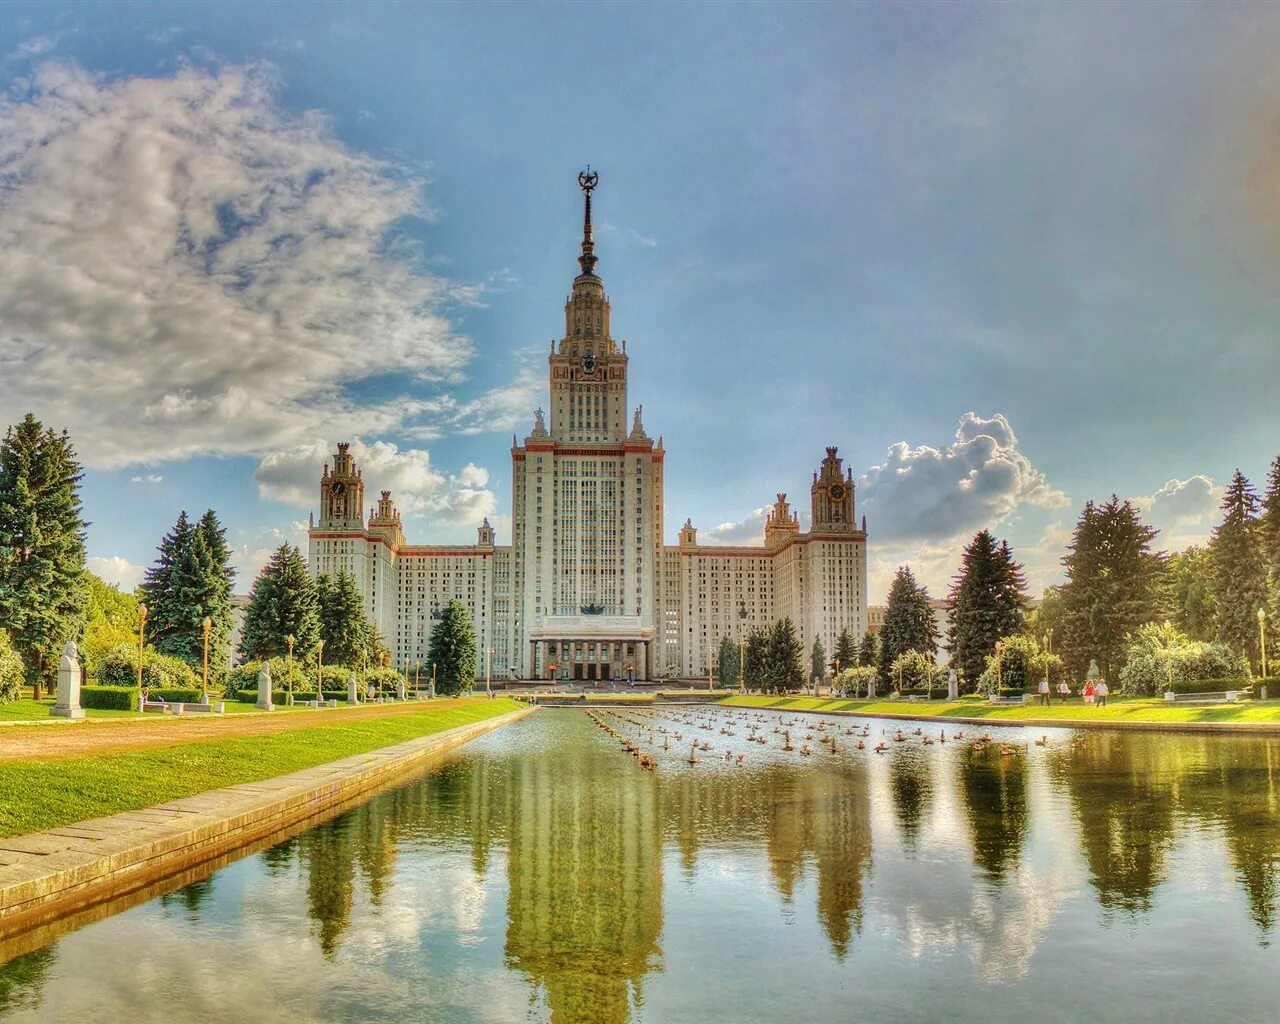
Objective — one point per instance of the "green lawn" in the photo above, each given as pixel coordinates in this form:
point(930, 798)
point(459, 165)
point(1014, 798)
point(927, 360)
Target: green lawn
point(27, 710)
point(1118, 709)
point(43, 794)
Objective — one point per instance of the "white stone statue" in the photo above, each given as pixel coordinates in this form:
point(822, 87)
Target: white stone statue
point(953, 686)
point(353, 696)
point(400, 690)
point(264, 687)
point(68, 705)
point(871, 688)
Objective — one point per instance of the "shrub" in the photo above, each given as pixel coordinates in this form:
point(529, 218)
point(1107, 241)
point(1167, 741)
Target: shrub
point(283, 671)
point(1022, 665)
point(110, 698)
point(913, 672)
point(1160, 658)
point(119, 668)
point(852, 682)
point(11, 676)
point(385, 679)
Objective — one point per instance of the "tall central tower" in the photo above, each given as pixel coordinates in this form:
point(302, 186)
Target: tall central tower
point(588, 372)
point(587, 498)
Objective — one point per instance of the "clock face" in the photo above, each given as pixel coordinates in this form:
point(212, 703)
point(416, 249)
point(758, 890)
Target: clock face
point(837, 492)
point(338, 490)
point(588, 363)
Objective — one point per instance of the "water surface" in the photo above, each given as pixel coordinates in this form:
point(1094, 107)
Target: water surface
point(540, 874)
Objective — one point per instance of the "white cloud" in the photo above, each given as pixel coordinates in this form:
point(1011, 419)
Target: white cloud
point(928, 494)
point(150, 478)
point(748, 531)
point(418, 488)
point(117, 571)
point(183, 249)
point(1183, 503)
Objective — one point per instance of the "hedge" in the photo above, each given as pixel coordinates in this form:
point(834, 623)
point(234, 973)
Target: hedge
point(920, 691)
point(109, 698)
point(1212, 685)
point(250, 696)
point(119, 668)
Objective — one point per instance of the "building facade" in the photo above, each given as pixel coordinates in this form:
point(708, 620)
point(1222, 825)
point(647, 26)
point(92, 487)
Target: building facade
point(587, 589)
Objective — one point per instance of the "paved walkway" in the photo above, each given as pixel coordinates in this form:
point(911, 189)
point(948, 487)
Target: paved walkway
point(106, 735)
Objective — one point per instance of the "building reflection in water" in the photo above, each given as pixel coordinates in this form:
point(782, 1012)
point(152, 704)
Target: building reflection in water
point(992, 849)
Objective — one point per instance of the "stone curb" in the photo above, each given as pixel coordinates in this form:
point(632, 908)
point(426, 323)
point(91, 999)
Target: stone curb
point(1247, 728)
point(44, 875)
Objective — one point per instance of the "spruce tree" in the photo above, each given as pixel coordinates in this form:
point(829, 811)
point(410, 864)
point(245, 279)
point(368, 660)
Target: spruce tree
point(174, 590)
point(727, 664)
point(785, 656)
point(1191, 593)
point(222, 577)
point(908, 622)
point(817, 659)
point(283, 603)
point(1115, 583)
point(846, 652)
point(869, 650)
point(988, 602)
point(344, 627)
point(1269, 523)
point(1239, 573)
point(42, 586)
point(452, 650)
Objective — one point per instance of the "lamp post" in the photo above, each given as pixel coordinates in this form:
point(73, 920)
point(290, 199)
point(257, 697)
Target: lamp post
point(288, 672)
point(488, 667)
point(709, 663)
point(142, 632)
point(742, 665)
point(433, 680)
point(417, 676)
point(836, 665)
point(320, 670)
point(999, 667)
point(208, 628)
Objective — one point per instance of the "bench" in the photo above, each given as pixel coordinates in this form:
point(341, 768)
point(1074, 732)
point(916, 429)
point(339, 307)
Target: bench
point(187, 708)
point(164, 707)
point(1009, 701)
point(1214, 697)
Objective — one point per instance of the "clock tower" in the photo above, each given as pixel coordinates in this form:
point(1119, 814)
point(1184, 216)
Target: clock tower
point(588, 371)
point(342, 493)
point(832, 496)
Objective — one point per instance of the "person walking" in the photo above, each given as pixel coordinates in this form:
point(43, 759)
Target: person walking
point(1044, 692)
point(1088, 692)
point(1102, 691)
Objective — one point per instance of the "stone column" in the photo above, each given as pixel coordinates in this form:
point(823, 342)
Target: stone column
point(264, 687)
point(68, 705)
point(353, 695)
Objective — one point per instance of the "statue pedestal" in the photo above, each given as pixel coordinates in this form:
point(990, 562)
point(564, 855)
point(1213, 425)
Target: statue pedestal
point(68, 705)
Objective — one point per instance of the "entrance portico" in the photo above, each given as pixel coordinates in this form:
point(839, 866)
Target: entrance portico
point(591, 647)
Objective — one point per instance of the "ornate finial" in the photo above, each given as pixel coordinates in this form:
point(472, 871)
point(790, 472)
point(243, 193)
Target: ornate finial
point(587, 180)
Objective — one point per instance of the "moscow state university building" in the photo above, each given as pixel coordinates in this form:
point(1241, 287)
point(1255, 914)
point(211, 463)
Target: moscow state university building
point(587, 589)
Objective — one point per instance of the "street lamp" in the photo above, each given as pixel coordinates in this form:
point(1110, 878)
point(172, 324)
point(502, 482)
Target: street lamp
point(319, 670)
point(433, 680)
point(488, 666)
point(1262, 639)
point(142, 631)
point(208, 627)
point(417, 677)
point(742, 665)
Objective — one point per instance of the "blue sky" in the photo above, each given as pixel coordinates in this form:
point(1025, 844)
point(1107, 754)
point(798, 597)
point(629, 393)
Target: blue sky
point(1008, 258)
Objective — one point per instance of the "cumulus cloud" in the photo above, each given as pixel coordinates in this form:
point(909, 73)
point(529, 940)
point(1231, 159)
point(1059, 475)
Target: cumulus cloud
point(117, 571)
point(1183, 503)
point(928, 493)
point(186, 268)
point(419, 489)
point(150, 478)
point(748, 531)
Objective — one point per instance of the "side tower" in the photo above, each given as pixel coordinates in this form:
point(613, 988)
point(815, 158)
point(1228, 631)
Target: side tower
point(338, 542)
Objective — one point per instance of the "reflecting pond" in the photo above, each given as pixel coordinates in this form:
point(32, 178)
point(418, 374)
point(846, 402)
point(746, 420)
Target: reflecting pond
point(542, 874)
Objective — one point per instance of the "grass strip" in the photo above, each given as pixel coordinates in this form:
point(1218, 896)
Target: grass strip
point(37, 795)
point(1118, 709)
